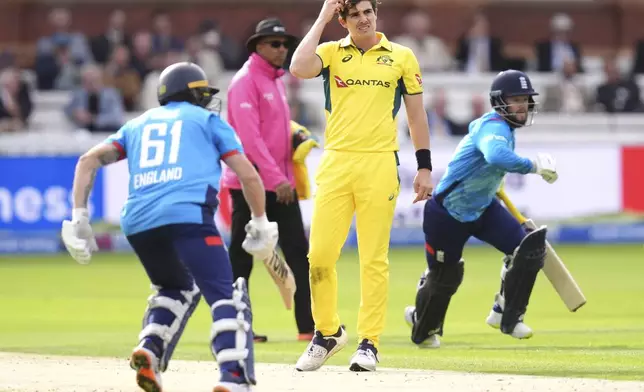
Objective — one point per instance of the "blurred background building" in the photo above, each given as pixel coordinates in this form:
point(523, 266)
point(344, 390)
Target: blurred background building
point(73, 71)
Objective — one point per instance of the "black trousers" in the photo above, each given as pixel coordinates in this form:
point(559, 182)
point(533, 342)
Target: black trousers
point(292, 241)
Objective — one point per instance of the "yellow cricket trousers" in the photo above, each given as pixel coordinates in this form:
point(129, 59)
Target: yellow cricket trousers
point(368, 185)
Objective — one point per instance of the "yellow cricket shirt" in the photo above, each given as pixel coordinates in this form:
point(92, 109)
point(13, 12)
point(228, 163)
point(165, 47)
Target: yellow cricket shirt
point(363, 93)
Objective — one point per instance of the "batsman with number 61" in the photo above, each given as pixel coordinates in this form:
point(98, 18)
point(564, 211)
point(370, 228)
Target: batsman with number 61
point(464, 204)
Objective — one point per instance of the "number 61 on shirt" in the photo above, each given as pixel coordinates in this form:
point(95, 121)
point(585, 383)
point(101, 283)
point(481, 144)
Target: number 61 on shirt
point(153, 144)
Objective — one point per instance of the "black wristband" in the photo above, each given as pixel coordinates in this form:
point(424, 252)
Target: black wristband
point(424, 159)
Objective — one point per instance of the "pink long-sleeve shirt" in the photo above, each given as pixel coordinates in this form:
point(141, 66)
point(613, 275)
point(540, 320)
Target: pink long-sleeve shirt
point(258, 111)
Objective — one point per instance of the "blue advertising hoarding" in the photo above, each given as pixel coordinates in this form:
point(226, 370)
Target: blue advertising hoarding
point(36, 193)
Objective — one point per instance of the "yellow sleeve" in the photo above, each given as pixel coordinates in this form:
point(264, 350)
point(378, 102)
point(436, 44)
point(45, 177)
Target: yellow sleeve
point(412, 77)
point(325, 53)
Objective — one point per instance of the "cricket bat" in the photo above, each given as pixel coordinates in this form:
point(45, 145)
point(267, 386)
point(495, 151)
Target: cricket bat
point(554, 268)
point(283, 277)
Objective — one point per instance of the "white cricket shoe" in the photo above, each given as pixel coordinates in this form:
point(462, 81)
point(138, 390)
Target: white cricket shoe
point(365, 358)
point(521, 330)
point(433, 341)
point(494, 318)
point(231, 387)
point(410, 315)
point(320, 349)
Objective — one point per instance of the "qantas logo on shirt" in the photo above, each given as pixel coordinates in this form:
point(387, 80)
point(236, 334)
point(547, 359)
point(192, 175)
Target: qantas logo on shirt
point(339, 82)
point(360, 82)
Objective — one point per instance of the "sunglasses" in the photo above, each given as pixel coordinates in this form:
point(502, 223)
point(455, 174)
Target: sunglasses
point(277, 44)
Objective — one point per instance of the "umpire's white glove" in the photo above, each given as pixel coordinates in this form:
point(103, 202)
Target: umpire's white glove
point(78, 236)
point(261, 237)
point(545, 166)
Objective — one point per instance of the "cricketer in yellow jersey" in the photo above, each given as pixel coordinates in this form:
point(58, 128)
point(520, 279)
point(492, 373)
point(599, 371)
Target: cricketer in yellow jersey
point(366, 77)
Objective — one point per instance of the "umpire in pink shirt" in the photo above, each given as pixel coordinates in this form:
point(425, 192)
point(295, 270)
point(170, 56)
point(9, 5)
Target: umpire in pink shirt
point(258, 110)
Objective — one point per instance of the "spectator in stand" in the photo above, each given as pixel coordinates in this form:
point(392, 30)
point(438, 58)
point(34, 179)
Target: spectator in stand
point(120, 74)
point(163, 39)
point(149, 96)
point(60, 20)
point(57, 71)
point(437, 117)
point(94, 106)
point(568, 95)
point(432, 54)
point(114, 36)
point(440, 124)
point(618, 94)
point(479, 106)
point(552, 54)
point(15, 101)
point(478, 51)
point(232, 53)
point(141, 56)
point(207, 58)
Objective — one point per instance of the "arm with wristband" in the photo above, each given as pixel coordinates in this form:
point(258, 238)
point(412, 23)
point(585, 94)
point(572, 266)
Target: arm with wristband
point(77, 233)
point(418, 127)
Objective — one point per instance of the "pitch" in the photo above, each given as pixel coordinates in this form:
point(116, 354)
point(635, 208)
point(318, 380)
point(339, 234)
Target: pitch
point(32, 373)
point(54, 306)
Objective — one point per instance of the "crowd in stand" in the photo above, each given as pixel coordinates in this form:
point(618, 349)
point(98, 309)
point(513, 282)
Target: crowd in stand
point(116, 72)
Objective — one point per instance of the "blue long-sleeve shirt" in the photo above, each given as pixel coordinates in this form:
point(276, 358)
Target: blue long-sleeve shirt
point(478, 166)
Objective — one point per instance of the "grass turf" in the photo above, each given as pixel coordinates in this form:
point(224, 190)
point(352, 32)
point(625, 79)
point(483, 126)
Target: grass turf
point(52, 305)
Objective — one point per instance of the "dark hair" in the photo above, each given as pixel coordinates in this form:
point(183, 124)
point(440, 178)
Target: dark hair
point(348, 4)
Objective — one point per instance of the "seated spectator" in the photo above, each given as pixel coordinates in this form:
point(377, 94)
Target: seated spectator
point(141, 55)
point(479, 106)
point(114, 36)
point(208, 59)
point(552, 53)
point(432, 54)
point(437, 117)
point(120, 74)
point(57, 71)
point(15, 101)
point(618, 94)
point(60, 20)
point(478, 51)
point(568, 95)
point(232, 53)
point(149, 96)
point(94, 106)
point(163, 40)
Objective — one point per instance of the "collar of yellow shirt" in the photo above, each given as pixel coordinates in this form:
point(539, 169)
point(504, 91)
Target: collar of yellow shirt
point(384, 42)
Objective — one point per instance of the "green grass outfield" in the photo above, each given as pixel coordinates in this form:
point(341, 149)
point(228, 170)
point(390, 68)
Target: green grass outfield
point(50, 304)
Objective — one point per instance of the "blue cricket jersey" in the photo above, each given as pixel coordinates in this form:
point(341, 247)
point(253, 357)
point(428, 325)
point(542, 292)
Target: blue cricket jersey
point(173, 154)
point(478, 166)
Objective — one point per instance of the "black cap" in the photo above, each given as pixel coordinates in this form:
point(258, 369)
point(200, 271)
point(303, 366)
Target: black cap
point(271, 27)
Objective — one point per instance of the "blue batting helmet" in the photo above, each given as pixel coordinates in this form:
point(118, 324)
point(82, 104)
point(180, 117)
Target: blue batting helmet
point(512, 83)
point(185, 82)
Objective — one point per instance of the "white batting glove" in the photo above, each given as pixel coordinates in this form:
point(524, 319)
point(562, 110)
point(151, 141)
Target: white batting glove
point(261, 237)
point(78, 236)
point(545, 166)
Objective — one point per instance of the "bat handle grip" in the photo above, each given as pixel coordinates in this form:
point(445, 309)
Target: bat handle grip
point(511, 207)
